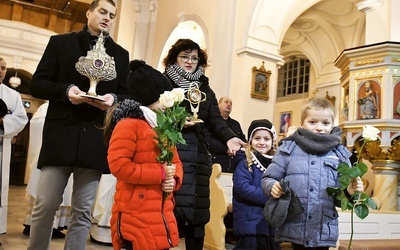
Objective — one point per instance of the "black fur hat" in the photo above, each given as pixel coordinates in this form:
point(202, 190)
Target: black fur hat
point(261, 124)
point(3, 108)
point(145, 83)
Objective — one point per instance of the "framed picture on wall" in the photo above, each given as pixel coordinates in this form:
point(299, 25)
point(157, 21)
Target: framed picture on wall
point(260, 82)
point(285, 122)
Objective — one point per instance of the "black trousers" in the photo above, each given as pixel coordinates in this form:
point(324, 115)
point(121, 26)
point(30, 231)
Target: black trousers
point(193, 239)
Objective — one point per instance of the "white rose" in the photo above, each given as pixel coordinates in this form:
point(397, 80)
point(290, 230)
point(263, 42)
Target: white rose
point(370, 133)
point(167, 99)
point(179, 94)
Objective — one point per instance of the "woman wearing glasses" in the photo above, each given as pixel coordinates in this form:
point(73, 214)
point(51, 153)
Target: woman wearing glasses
point(184, 66)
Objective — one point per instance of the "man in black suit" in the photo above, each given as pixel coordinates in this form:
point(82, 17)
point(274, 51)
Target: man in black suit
point(72, 135)
point(218, 150)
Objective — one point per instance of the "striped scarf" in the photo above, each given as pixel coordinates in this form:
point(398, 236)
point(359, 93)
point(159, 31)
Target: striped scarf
point(182, 78)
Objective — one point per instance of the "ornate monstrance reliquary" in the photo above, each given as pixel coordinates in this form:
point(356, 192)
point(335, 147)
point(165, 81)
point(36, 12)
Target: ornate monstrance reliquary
point(97, 65)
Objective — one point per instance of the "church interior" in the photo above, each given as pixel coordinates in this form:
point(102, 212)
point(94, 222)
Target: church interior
point(269, 57)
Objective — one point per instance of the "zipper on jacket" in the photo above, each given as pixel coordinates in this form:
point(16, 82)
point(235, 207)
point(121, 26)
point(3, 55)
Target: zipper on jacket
point(119, 226)
point(165, 223)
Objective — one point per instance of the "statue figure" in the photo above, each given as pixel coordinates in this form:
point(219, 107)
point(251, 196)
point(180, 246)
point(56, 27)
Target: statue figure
point(368, 106)
point(345, 110)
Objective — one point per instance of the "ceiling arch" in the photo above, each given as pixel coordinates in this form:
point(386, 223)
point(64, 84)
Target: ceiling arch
point(324, 31)
point(320, 30)
point(265, 29)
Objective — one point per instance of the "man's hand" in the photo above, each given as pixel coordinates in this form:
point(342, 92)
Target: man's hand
point(74, 96)
point(234, 144)
point(103, 105)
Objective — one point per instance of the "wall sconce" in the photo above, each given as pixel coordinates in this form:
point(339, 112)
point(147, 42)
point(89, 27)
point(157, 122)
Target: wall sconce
point(14, 81)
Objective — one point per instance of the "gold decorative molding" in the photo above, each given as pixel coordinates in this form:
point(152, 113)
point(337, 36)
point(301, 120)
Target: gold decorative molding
point(374, 152)
point(360, 74)
point(395, 59)
point(384, 168)
point(373, 61)
point(385, 165)
point(394, 151)
point(345, 70)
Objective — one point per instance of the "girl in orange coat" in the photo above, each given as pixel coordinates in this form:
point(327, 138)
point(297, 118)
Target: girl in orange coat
point(141, 218)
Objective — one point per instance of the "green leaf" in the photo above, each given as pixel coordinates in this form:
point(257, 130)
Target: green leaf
point(371, 203)
point(349, 205)
point(344, 180)
point(361, 210)
point(340, 195)
point(362, 196)
point(343, 168)
point(354, 172)
point(343, 204)
point(363, 168)
point(332, 190)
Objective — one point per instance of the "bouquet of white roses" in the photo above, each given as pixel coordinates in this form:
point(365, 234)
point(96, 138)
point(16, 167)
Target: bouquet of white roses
point(170, 122)
point(359, 201)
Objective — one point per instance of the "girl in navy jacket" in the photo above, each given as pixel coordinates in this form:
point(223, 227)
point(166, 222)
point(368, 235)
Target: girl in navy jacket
point(248, 199)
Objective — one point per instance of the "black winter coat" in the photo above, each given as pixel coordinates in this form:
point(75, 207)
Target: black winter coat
point(71, 133)
point(193, 198)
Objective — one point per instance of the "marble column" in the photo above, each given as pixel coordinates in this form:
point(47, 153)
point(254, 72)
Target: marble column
point(386, 183)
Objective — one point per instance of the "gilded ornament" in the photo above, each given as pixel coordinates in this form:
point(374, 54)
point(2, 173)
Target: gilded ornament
point(394, 151)
point(97, 65)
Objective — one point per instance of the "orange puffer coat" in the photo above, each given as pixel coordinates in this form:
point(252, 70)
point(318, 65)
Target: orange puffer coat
point(137, 213)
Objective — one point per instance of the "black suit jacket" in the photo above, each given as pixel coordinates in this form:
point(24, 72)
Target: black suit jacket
point(71, 133)
point(219, 150)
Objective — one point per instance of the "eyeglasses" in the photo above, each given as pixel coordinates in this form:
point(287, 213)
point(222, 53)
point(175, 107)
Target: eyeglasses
point(187, 58)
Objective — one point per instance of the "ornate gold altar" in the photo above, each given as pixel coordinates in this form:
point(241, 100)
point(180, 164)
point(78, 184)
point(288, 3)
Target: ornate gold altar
point(371, 95)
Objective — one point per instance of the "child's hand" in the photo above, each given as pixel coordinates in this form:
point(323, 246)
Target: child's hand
point(356, 184)
point(168, 185)
point(276, 190)
point(169, 170)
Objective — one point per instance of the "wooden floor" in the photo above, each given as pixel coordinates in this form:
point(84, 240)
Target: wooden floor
point(15, 240)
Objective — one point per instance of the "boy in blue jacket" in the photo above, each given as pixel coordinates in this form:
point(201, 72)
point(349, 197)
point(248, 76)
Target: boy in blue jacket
point(308, 161)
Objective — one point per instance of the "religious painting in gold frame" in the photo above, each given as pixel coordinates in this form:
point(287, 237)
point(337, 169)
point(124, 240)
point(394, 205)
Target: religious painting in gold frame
point(260, 82)
point(285, 119)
